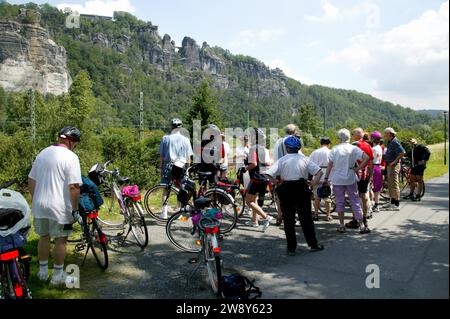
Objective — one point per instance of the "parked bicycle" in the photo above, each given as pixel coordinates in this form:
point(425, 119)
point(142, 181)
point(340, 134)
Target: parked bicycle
point(123, 209)
point(196, 229)
point(167, 197)
point(404, 178)
point(14, 229)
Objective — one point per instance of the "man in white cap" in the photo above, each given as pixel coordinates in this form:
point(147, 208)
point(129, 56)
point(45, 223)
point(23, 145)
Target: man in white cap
point(394, 153)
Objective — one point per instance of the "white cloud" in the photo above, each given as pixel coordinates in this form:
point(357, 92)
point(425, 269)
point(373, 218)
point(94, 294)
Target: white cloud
point(251, 38)
point(282, 65)
point(332, 14)
point(99, 7)
point(408, 63)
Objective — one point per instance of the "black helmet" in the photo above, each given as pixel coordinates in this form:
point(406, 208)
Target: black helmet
point(70, 133)
point(176, 123)
point(325, 140)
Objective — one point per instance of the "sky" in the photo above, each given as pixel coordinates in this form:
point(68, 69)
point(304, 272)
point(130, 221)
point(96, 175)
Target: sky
point(395, 50)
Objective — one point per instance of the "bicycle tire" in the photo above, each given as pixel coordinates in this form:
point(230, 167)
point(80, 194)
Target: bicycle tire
point(181, 232)
point(239, 198)
point(138, 225)
point(213, 265)
point(226, 204)
point(156, 208)
point(97, 244)
point(108, 216)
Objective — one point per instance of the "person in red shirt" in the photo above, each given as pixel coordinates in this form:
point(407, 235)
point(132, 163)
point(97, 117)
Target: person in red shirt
point(364, 176)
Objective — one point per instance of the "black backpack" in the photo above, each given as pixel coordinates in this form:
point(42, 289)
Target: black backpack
point(426, 153)
point(238, 287)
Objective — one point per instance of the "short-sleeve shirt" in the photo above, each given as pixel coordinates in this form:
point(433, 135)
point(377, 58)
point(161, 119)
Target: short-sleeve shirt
point(344, 157)
point(180, 148)
point(258, 155)
point(164, 149)
point(293, 167)
point(54, 169)
point(321, 157)
point(366, 148)
point(393, 150)
point(377, 155)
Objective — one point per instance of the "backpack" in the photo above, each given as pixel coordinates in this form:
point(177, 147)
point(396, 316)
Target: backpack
point(426, 153)
point(90, 198)
point(238, 287)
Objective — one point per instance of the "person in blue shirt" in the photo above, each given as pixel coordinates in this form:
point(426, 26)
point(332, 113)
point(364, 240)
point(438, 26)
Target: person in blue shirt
point(392, 157)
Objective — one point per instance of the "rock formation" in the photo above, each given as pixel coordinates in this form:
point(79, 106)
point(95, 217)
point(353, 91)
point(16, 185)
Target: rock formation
point(30, 59)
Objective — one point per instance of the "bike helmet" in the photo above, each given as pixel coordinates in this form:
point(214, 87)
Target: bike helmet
point(176, 123)
point(293, 143)
point(376, 135)
point(324, 191)
point(71, 133)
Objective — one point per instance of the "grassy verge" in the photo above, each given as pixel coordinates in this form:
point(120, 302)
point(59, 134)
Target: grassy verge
point(435, 166)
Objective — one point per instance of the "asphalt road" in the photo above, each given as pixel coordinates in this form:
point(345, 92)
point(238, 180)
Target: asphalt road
point(409, 247)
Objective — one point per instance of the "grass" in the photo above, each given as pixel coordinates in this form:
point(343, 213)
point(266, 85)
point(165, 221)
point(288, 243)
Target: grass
point(435, 166)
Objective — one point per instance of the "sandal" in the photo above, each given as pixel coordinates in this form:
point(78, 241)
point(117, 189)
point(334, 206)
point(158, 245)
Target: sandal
point(329, 218)
point(341, 229)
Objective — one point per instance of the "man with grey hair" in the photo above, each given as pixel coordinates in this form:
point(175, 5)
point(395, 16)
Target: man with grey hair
point(280, 148)
point(394, 153)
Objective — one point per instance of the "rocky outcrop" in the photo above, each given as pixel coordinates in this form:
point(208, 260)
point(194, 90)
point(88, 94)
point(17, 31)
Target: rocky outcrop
point(30, 59)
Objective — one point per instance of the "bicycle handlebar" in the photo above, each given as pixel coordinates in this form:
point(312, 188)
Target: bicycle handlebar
point(8, 184)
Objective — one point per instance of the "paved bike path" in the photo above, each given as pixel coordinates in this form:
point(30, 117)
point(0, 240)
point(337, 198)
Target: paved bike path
point(410, 247)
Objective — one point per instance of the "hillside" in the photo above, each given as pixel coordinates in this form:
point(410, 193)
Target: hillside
point(126, 55)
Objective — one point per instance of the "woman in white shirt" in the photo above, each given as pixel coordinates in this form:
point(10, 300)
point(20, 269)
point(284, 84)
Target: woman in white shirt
point(377, 179)
point(343, 159)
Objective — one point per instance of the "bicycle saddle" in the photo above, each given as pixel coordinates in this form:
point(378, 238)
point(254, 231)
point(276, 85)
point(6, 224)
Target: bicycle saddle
point(204, 173)
point(124, 180)
point(202, 202)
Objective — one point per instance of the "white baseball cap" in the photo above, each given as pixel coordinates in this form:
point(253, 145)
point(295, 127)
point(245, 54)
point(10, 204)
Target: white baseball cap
point(390, 130)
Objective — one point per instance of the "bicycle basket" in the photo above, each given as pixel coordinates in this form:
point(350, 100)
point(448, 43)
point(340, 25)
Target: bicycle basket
point(130, 191)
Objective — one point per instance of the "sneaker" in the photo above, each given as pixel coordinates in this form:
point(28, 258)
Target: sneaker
point(410, 196)
point(163, 215)
point(353, 224)
point(341, 229)
point(63, 279)
point(266, 222)
point(417, 198)
point(392, 208)
point(376, 209)
point(364, 230)
point(251, 224)
point(43, 276)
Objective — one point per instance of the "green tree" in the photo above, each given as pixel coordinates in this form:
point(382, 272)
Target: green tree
point(308, 121)
point(204, 107)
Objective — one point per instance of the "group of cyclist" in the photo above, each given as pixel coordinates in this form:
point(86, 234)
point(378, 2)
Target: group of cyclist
point(353, 170)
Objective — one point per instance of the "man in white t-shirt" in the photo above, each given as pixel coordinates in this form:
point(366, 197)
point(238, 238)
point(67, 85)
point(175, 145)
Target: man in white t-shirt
point(321, 157)
point(226, 149)
point(54, 182)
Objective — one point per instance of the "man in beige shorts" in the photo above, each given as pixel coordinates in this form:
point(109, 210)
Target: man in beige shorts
point(54, 183)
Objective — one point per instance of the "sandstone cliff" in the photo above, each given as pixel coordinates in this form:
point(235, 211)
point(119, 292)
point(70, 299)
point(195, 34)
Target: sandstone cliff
point(30, 59)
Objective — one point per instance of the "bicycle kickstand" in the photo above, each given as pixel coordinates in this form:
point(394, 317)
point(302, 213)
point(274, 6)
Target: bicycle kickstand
point(195, 269)
point(125, 237)
point(85, 255)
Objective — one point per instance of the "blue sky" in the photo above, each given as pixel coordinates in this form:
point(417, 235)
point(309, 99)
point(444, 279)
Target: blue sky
point(396, 50)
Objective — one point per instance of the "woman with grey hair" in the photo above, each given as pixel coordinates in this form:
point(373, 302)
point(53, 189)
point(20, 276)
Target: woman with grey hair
point(343, 162)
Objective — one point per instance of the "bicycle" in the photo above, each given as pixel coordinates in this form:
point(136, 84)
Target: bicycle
point(14, 262)
point(167, 195)
point(404, 178)
point(130, 213)
point(204, 232)
point(92, 238)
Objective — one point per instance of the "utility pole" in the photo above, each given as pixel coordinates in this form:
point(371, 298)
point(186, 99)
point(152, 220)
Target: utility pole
point(324, 120)
point(445, 138)
point(141, 116)
point(32, 116)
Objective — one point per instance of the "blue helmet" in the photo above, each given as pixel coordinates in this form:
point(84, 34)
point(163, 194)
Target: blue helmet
point(293, 143)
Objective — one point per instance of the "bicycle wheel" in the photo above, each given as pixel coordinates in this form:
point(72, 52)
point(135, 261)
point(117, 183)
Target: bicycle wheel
point(181, 232)
point(111, 214)
point(239, 199)
point(97, 243)
point(138, 225)
point(213, 265)
point(226, 205)
point(159, 196)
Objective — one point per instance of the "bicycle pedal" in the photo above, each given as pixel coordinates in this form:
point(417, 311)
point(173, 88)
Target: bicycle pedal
point(193, 261)
point(80, 247)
